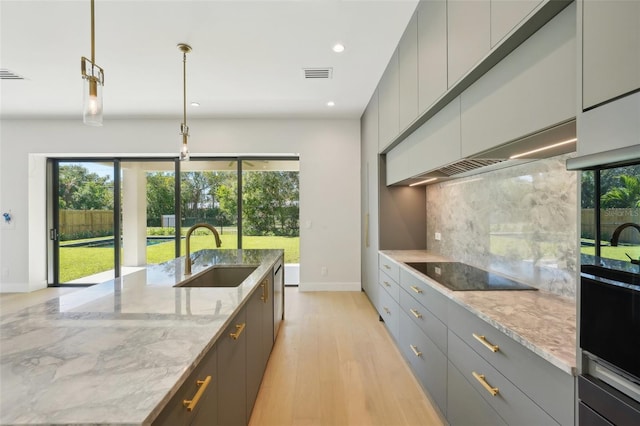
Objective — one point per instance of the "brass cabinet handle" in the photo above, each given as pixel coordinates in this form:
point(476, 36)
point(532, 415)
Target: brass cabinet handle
point(191, 403)
point(416, 289)
point(239, 330)
point(415, 313)
point(387, 266)
point(386, 283)
point(415, 350)
point(480, 377)
point(486, 343)
point(265, 292)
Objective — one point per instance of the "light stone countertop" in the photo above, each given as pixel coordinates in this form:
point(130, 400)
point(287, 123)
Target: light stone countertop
point(541, 321)
point(116, 352)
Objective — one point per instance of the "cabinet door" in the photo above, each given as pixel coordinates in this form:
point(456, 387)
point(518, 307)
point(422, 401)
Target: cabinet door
point(232, 358)
point(389, 104)
point(408, 74)
point(432, 52)
point(468, 35)
point(507, 14)
point(466, 406)
point(611, 49)
point(255, 347)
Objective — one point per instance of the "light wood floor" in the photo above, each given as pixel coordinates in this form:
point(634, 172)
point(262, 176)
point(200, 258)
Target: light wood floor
point(334, 364)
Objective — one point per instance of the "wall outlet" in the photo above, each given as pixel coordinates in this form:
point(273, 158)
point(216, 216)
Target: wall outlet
point(323, 271)
point(438, 236)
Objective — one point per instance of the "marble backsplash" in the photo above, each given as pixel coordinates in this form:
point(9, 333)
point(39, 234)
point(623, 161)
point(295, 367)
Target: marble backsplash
point(520, 221)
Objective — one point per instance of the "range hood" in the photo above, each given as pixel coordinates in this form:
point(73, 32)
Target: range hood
point(532, 147)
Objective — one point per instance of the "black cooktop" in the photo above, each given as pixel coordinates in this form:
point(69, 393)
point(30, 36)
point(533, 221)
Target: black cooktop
point(462, 277)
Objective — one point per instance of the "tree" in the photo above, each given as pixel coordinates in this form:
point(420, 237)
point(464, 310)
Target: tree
point(160, 196)
point(623, 196)
point(81, 190)
point(270, 203)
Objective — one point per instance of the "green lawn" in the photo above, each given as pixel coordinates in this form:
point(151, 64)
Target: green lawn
point(78, 262)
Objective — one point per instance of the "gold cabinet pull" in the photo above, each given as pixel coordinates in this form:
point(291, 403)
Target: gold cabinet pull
point(416, 289)
point(387, 266)
point(480, 377)
point(191, 403)
point(415, 350)
point(265, 292)
point(239, 330)
point(387, 310)
point(386, 283)
point(415, 313)
point(486, 343)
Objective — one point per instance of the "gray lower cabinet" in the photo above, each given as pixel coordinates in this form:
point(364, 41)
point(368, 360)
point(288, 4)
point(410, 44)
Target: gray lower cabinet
point(196, 402)
point(428, 363)
point(232, 374)
point(465, 406)
point(259, 333)
point(389, 312)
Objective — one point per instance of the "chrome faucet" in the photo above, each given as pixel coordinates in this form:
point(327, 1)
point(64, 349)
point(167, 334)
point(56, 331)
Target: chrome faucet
point(616, 236)
point(187, 259)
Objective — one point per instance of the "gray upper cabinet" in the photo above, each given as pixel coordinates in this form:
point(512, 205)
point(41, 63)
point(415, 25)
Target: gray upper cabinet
point(432, 52)
point(611, 50)
point(408, 74)
point(507, 14)
point(469, 34)
point(435, 143)
point(531, 89)
point(389, 103)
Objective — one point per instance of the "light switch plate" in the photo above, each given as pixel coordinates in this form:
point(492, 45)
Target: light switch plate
point(438, 236)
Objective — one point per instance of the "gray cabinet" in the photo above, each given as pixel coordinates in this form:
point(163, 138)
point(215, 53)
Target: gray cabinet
point(195, 403)
point(389, 312)
point(232, 374)
point(369, 199)
point(468, 35)
point(532, 89)
point(465, 406)
point(508, 14)
point(610, 50)
point(259, 337)
point(389, 103)
point(432, 52)
point(408, 74)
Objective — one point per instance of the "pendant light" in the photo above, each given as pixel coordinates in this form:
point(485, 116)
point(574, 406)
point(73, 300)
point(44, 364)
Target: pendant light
point(93, 76)
point(184, 129)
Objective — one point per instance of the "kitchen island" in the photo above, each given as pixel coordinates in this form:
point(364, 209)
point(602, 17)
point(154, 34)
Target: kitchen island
point(117, 352)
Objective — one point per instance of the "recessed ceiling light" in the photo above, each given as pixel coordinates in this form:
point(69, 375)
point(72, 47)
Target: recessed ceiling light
point(331, 103)
point(338, 48)
point(195, 104)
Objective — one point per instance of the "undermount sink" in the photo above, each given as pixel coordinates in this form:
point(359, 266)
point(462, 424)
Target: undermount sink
point(611, 274)
point(219, 276)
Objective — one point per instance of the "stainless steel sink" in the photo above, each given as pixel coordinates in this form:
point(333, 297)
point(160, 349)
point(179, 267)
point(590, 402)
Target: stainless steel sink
point(219, 276)
point(611, 274)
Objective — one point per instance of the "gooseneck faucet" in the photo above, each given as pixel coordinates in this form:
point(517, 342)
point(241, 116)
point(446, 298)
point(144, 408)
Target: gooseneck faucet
point(616, 236)
point(187, 259)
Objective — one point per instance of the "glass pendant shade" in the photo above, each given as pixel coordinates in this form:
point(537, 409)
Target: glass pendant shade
point(92, 102)
point(184, 150)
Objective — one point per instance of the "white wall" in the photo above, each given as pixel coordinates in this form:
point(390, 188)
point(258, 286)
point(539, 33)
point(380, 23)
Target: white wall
point(329, 183)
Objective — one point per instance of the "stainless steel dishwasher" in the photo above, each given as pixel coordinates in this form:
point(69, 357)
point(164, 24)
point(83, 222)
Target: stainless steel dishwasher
point(278, 296)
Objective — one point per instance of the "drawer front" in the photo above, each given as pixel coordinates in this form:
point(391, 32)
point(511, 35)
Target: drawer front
point(390, 267)
point(466, 407)
point(425, 294)
point(547, 385)
point(389, 284)
point(390, 312)
point(430, 325)
point(509, 402)
point(427, 362)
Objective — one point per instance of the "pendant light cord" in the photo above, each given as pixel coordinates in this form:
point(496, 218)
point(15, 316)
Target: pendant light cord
point(184, 86)
point(93, 36)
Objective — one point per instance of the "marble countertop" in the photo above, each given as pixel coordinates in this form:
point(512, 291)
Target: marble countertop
point(541, 321)
point(116, 352)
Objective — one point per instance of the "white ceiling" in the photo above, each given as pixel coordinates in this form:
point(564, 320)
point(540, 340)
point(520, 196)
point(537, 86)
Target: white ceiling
point(247, 57)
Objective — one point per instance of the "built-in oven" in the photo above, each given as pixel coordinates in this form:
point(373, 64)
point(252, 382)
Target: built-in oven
point(609, 388)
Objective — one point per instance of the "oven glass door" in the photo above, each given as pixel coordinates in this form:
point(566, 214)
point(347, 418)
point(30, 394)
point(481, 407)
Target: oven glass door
point(610, 323)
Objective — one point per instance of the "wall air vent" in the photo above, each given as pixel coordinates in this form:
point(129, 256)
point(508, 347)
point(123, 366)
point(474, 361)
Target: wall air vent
point(467, 165)
point(6, 74)
point(317, 73)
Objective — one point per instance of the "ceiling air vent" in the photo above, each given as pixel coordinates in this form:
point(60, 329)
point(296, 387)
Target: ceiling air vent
point(317, 73)
point(467, 165)
point(6, 74)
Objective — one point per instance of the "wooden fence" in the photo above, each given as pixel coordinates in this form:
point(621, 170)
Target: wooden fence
point(610, 219)
point(85, 223)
